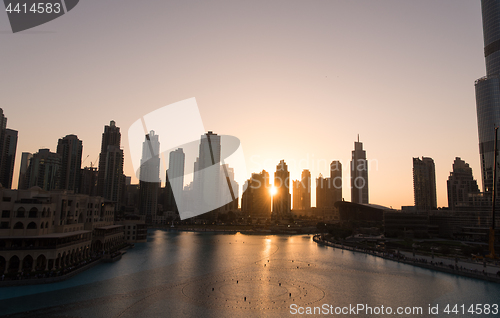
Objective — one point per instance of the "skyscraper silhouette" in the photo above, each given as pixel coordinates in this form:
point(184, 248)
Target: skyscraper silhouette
point(460, 183)
point(109, 163)
point(256, 199)
point(359, 174)
point(22, 184)
point(149, 177)
point(44, 170)
point(282, 198)
point(8, 145)
point(424, 184)
point(488, 91)
point(70, 148)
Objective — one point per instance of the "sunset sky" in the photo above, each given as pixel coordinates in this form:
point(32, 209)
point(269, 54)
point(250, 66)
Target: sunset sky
point(293, 80)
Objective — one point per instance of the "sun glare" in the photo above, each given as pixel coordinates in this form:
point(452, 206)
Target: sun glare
point(273, 190)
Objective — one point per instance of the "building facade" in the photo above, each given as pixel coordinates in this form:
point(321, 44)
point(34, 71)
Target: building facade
point(9, 145)
point(488, 91)
point(149, 184)
point(44, 170)
point(256, 198)
point(23, 171)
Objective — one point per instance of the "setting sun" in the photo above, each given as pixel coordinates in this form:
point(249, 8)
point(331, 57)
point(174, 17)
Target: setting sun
point(273, 190)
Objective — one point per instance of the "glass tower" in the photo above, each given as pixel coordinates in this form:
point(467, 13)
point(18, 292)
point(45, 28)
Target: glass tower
point(488, 90)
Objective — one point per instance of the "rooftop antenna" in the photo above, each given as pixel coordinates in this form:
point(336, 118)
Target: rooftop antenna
point(358, 137)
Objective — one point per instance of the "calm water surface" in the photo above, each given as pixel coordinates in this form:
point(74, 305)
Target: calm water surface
point(214, 275)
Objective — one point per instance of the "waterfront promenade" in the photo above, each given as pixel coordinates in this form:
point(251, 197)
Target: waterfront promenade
point(447, 265)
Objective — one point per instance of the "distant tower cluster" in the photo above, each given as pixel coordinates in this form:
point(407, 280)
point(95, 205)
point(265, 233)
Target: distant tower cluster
point(302, 191)
point(256, 199)
point(424, 184)
point(359, 174)
point(329, 190)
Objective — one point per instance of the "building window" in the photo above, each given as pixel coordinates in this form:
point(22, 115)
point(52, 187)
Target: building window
point(6, 213)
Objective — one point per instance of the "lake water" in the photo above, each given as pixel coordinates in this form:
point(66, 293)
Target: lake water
point(215, 275)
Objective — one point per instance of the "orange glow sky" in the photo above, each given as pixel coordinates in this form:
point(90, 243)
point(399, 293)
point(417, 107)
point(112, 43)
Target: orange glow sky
point(293, 80)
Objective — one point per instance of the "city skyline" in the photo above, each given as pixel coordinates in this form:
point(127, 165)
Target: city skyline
point(321, 70)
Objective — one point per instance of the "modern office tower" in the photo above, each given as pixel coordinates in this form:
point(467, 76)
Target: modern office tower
point(336, 181)
point(488, 91)
point(88, 181)
point(322, 186)
point(175, 179)
point(149, 176)
point(359, 174)
point(8, 157)
point(227, 184)
point(70, 148)
point(44, 170)
point(460, 184)
point(302, 191)
point(110, 141)
point(424, 184)
point(23, 171)
point(207, 175)
point(282, 198)
point(256, 199)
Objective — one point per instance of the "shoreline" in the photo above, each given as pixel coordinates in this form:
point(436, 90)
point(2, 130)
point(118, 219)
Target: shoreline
point(445, 268)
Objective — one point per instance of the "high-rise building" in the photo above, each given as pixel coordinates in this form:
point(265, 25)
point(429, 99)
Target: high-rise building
point(174, 182)
point(460, 184)
point(227, 184)
point(149, 175)
point(9, 145)
point(256, 199)
point(110, 142)
point(112, 174)
point(282, 198)
point(302, 191)
point(359, 174)
point(23, 170)
point(424, 184)
point(488, 91)
point(70, 148)
point(44, 170)
point(207, 175)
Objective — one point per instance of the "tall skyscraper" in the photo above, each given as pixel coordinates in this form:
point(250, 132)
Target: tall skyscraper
point(207, 174)
point(424, 184)
point(112, 174)
point(9, 145)
point(302, 191)
point(149, 184)
point(226, 178)
point(460, 183)
point(110, 142)
point(488, 91)
point(70, 148)
point(282, 198)
point(359, 174)
point(44, 170)
point(256, 199)
point(175, 178)
point(23, 171)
